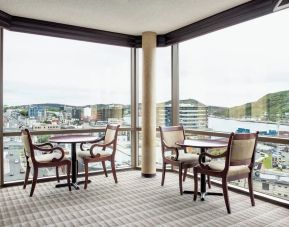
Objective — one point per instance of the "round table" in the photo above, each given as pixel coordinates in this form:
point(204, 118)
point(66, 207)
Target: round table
point(203, 144)
point(73, 140)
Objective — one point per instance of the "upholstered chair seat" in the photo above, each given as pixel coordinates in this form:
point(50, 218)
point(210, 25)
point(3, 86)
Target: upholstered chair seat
point(46, 158)
point(87, 154)
point(185, 157)
point(233, 170)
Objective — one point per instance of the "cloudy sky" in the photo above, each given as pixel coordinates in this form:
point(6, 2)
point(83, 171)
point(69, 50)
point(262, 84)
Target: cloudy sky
point(225, 68)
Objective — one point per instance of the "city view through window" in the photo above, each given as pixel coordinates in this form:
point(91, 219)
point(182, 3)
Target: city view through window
point(235, 79)
point(55, 84)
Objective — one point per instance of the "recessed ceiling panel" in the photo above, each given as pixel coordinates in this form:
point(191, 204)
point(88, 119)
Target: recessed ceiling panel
point(122, 16)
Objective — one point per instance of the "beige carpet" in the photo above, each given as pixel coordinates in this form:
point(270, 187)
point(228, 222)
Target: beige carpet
point(134, 201)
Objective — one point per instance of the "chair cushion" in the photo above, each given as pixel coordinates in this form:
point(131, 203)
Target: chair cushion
point(242, 149)
point(109, 135)
point(171, 137)
point(26, 144)
point(233, 170)
point(46, 158)
point(85, 154)
point(185, 157)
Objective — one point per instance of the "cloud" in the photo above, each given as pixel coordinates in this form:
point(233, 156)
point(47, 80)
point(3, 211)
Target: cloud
point(227, 67)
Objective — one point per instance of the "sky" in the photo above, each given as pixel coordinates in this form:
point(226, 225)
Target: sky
point(228, 67)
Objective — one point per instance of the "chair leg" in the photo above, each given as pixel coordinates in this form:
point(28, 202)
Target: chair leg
point(113, 171)
point(35, 175)
point(104, 168)
point(164, 173)
point(185, 174)
point(68, 175)
point(250, 184)
point(209, 181)
point(57, 174)
point(85, 174)
point(225, 192)
point(181, 178)
point(26, 176)
point(195, 183)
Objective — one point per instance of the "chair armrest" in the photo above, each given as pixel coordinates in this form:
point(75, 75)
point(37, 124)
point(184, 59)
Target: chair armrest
point(210, 156)
point(104, 145)
point(96, 141)
point(173, 149)
point(43, 145)
point(50, 150)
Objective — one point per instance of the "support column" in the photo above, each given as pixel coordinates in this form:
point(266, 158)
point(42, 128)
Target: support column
point(149, 40)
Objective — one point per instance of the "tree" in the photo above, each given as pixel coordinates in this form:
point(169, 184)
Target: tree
point(24, 113)
point(43, 138)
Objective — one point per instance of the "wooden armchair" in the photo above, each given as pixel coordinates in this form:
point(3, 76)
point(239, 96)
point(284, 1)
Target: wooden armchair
point(169, 136)
point(109, 140)
point(238, 164)
point(48, 158)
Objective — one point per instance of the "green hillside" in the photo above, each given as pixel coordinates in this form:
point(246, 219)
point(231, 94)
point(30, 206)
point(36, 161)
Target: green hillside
point(271, 107)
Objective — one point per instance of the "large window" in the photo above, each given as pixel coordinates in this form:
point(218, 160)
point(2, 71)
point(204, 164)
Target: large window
point(53, 84)
point(236, 79)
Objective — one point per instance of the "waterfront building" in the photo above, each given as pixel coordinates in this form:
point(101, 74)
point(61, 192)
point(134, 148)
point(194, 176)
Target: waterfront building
point(104, 112)
point(192, 114)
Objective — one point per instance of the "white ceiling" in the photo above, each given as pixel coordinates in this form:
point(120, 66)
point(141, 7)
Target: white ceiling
point(122, 16)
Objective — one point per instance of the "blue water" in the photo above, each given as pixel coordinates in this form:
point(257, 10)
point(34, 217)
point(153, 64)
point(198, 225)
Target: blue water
point(226, 125)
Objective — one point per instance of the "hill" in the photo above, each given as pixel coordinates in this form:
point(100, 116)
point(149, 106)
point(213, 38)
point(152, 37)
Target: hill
point(271, 107)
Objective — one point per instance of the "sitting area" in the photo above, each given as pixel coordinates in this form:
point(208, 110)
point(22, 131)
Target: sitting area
point(108, 141)
point(238, 164)
point(48, 157)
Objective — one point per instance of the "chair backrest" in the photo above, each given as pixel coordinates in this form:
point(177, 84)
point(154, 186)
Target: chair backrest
point(27, 143)
point(111, 132)
point(170, 135)
point(242, 149)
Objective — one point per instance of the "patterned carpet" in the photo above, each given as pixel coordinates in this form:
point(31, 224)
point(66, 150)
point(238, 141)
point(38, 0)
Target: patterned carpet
point(134, 201)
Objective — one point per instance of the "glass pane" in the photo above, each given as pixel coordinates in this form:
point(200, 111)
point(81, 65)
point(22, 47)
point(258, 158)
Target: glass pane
point(52, 83)
point(271, 175)
point(159, 158)
point(236, 80)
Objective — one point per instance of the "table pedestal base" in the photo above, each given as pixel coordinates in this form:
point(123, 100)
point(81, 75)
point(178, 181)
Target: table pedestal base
point(74, 185)
point(204, 194)
point(191, 192)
